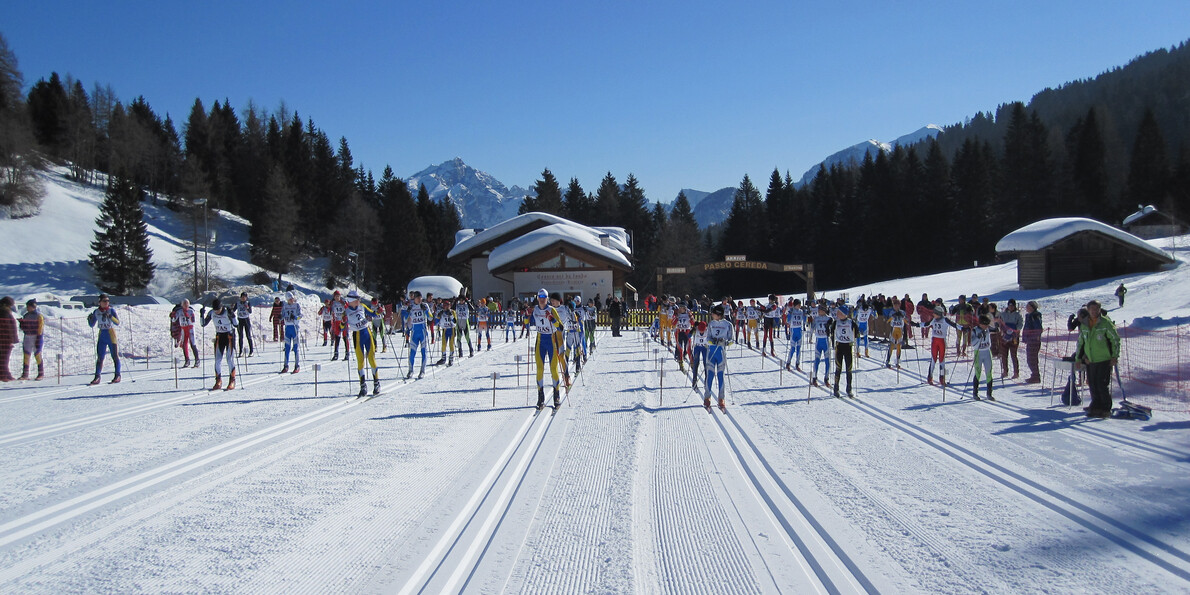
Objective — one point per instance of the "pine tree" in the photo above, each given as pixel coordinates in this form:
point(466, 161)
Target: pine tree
point(274, 236)
point(20, 191)
point(549, 194)
point(48, 112)
point(121, 258)
point(1148, 173)
point(578, 205)
point(1088, 172)
point(404, 250)
point(607, 201)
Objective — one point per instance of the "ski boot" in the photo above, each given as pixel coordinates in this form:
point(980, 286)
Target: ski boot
point(540, 398)
point(990, 397)
point(850, 393)
point(975, 390)
point(450, 362)
point(470, 353)
point(813, 382)
point(40, 373)
point(826, 382)
point(186, 364)
point(296, 369)
point(24, 373)
point(284, 369)
point(722, 404)
point(867, 353)
point(231, 382)
point(375, 386)
point(930, 379)
point(94, 381)
point(336, 357)
point(557, 399)
point(116, 379)
point(422, 373)
point(837, 390)
point(942, 380)
point(218, 382)
point(196, 363)
point(363, 388)
point(441, 360)
point(706, 402)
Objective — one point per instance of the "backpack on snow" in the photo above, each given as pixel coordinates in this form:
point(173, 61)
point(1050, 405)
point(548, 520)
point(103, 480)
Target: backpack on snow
point(1070, 393)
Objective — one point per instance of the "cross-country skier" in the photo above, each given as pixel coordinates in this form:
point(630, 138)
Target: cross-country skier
point(981, 342)
point(105, 319)
point(378, 329)
point(358, 318)
point(244, 323)
point(327, 315)
point(419, 318)
point(820, 323)
point(446, 322)
point(338, 329)
point(752, 313)
point(795, 321)
point(897, 321)
point(33, 326)
point(843, 332)
point(512, 313)
point(940, 326)
point(482, 314)
point(463, 316)
point(225, 340)
point(698, 353)
point(184, 318)
point(573, 332)
point(291, 316)
point(772, 313)
point(719, 334)
point(964, 317)
point(275, 318)
point(549, 327)
point(683, 324)
point(591, 316)
point(862, 314)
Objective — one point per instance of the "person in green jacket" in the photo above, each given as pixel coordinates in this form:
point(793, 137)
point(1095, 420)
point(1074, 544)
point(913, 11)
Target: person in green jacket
point(1098, 349)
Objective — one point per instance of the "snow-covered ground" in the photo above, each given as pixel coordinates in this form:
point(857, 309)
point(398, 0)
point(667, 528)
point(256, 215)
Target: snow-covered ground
point(290, 484)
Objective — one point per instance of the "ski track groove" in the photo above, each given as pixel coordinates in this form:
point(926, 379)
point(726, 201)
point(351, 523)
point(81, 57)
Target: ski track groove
point(281, 429)
point(1073, 511)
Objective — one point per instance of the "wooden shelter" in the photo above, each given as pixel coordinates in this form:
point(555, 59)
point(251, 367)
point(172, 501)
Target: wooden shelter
point(1056, 253)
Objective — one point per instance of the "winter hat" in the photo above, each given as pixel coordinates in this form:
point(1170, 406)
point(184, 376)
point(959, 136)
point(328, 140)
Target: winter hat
point(352, 295)
point(290, 296)
point(939, 311)
point(543, 294)
point(984, 319)
point(336, 292)
point(32, 302)
point(702, 326)
point(844, 310)
point(556, 296)
point(717, 310)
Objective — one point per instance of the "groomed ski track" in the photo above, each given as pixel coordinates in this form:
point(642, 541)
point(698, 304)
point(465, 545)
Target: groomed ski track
point(630, 487)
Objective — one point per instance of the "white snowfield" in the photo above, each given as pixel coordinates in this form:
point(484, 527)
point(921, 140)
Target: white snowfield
point(631, 487)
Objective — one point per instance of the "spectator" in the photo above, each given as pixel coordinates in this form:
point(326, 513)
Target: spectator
point(1098, 349)
point(1120, 291)
point(616, 310)
point(1031, 334)
point(598, 302)
point(1011, 324)
point(8, 336)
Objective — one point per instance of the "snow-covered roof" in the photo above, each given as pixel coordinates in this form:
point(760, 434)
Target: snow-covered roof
point(1140, 213)
point(510, 227)
point(1039, 235)
point(439, 285)
point(465, 233)
point(579, 236)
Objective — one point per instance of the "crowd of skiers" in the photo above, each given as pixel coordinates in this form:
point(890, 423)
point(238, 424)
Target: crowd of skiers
point(563, 332)
point(980, 329)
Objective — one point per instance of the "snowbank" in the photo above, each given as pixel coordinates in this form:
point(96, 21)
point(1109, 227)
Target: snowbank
point(439, 285)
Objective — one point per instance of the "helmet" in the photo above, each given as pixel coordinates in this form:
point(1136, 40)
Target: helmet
point(543, 294)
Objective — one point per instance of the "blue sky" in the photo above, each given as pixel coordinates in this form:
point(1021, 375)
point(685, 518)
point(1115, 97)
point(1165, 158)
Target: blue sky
point(684, 94)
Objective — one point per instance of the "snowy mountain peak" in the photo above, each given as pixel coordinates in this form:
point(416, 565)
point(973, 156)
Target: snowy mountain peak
point(871, 146)
point(480, 199)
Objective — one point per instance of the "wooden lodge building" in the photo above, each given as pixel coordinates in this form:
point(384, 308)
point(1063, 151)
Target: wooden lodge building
point(519, 256)
point(1056, 253)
